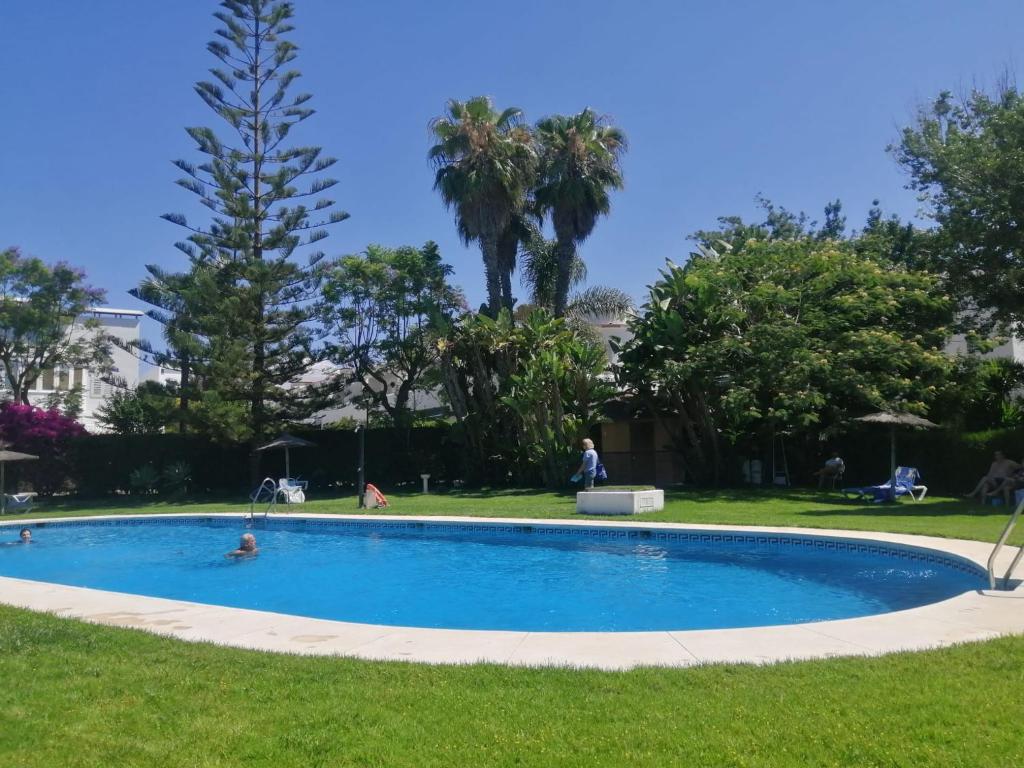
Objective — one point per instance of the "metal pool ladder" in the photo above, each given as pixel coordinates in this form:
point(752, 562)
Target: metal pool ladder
point(266, 492)
point(999, 545)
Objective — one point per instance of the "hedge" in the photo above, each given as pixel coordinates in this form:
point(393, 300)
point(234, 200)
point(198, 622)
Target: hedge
point(101, 464)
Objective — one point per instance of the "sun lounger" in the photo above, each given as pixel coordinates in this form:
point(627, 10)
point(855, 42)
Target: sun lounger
point(19, 502)
point(904, 483)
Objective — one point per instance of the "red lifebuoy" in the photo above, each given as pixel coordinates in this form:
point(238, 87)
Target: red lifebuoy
point(380, 498)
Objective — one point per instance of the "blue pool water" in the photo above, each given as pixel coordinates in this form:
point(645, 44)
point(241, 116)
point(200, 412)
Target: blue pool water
point(530, 578)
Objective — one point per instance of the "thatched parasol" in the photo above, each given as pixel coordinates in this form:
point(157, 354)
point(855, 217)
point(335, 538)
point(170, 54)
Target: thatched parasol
point(896, 419)
point(6, 456)
point(287, 442)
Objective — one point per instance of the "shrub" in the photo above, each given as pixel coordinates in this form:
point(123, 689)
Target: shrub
point(44, 433)
point(144, 479)
point(176, 478)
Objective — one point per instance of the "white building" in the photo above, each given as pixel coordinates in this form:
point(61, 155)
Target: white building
point(1011, 349)
point(608, 329)
point(121, 324)
point(421, 401)
point(162, 375)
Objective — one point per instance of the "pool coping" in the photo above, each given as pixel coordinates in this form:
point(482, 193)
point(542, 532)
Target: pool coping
point(969, 617)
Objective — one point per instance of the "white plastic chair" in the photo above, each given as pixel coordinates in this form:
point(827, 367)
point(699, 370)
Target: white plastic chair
point(292, 491)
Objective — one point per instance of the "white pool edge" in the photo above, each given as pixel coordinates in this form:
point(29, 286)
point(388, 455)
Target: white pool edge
point(969, 617)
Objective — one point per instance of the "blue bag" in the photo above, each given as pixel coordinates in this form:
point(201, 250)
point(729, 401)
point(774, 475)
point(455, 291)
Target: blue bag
point(600, 473)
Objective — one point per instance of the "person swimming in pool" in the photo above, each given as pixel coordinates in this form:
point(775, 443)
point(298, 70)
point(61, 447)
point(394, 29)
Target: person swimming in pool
point(24, 537)
point(246, 547)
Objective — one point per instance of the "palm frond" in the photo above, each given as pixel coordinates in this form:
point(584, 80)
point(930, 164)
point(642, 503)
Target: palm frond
point(600, 302)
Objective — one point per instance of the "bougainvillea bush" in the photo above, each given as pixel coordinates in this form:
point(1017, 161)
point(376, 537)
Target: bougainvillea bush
point(43, 433)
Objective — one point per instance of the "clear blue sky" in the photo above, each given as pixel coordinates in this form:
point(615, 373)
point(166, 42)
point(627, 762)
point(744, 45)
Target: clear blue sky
point(796, 100)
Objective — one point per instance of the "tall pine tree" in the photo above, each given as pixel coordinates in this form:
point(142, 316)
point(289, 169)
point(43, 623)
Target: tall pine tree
point(259, 331)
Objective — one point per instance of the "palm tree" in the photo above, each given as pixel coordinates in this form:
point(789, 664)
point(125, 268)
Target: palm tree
point(485, 163)
point(579, 166)
point(540, 275)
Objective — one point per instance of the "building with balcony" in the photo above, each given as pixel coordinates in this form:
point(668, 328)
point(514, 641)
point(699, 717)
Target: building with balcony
point(120, 324)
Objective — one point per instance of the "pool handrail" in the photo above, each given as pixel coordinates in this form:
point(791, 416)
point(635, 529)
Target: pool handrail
point(999, 545)
point(270, 487)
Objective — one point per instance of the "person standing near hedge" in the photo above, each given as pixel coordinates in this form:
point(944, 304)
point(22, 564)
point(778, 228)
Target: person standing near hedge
point(588, 464)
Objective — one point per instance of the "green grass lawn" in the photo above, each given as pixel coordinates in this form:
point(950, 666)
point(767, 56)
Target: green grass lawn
point(80, 695)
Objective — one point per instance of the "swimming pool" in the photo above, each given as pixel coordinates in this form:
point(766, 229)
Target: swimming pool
point(494, 576)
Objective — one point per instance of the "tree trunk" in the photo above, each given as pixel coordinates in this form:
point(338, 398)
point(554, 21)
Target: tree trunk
point(507, 247)
point(402, 416)
point(183, 393)
point(489, 248)
point(566, 252)
point(257, 406)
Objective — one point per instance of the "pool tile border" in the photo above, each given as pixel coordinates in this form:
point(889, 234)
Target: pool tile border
point(969, 617)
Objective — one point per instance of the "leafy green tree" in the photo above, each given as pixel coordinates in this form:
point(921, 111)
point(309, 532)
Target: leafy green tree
point(148, 408)
point(178, 303)
point(580, 156)
point(779, 223)
point(900, 242)
point(556, 392)
point(981, 394)
point(69, 402)
point(522, 394)
point(44, 322)
point(478, 357)
point(964, 157)
point(485, 163)
point(266, 198)
point(384, 307)
point(883, 237)
point(783, 337)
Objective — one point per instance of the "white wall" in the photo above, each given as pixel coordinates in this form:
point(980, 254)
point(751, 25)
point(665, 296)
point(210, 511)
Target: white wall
point(1013, 349)
point(123, 325)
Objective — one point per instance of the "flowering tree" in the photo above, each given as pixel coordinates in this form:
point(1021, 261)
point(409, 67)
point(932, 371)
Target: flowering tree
point(43, 433)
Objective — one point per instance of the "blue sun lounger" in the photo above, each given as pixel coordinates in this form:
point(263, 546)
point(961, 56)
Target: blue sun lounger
point(906, 484)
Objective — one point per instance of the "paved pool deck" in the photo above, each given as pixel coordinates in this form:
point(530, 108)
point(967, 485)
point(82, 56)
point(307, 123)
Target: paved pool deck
point(969, 617)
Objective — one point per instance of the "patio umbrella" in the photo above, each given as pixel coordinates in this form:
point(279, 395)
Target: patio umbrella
point(287, 442)
point(6, 456)
point(896, 419)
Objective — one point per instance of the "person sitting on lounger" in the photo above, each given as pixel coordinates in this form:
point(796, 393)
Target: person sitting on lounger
point(246, 547)
point(834, 467)
point(1009, 485)
point(1000, 469)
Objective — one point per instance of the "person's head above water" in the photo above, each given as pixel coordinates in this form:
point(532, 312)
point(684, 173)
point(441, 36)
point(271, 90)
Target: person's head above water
point(26, 535)
point(246, 546)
